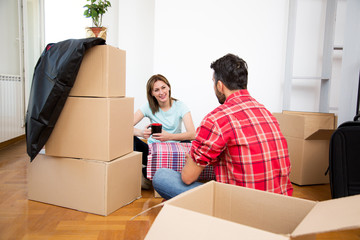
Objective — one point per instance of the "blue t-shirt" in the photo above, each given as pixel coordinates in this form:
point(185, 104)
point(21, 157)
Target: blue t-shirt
point(171, 120)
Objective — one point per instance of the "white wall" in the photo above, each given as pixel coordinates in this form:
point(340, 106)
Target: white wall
point(64, 20)
point(189, 35)
point(136, 36)
point(181, 39)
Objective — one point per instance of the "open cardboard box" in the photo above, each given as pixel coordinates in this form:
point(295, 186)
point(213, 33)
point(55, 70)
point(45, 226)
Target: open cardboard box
point(93, 128)
point(223, 211)
point(308, 135)
point(86, 185)
point(102, 73)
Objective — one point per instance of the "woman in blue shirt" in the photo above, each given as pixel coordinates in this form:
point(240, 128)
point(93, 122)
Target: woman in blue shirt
point(164, 109)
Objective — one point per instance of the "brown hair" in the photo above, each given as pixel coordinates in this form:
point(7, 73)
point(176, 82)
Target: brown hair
point(153, 103)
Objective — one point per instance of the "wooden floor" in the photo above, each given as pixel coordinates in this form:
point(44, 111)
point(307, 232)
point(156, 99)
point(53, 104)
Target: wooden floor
point(23, 219)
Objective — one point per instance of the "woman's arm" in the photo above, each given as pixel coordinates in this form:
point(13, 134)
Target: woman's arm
point(189, 126)
point(145, 133)
point(188, 135)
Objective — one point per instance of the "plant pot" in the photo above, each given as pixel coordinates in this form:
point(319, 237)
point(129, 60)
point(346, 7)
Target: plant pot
point(96, 32)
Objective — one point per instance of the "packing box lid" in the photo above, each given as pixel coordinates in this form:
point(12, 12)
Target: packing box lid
point(331, 215)
point(307, 125)
point(251, 214)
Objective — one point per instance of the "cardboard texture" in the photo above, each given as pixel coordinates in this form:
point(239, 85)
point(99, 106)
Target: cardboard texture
point(93, 128)
point(102, 73)
point(222, 211)
point(86, 185)
point(308, 135)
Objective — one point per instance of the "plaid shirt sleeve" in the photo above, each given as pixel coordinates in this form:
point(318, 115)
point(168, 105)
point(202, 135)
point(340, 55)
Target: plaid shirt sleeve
point(209, 143)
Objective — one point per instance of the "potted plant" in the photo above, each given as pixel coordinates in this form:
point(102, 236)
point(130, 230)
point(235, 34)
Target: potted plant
point(96, 9)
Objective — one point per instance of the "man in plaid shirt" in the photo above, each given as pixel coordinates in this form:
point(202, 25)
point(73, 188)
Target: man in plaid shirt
point(240, 138)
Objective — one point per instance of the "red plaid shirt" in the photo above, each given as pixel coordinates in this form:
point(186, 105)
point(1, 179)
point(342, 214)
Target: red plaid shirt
point(242, 140)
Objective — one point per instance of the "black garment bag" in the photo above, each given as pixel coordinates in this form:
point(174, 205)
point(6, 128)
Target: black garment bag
point(54, 76)
point(344, 158)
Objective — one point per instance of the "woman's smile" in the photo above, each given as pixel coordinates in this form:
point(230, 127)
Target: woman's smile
point(161, 91)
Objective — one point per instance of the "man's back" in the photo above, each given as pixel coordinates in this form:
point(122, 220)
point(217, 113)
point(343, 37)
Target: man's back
point(243, 141)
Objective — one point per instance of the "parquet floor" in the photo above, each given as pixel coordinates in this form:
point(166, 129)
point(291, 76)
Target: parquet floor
point(29, 220)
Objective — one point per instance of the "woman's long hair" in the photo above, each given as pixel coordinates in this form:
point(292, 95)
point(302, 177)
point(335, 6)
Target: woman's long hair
point(153, 103)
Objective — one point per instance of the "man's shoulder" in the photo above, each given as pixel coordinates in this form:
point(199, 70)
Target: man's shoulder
point(217, 113)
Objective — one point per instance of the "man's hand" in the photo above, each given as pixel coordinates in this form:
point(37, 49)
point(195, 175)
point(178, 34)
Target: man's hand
point(191, 171)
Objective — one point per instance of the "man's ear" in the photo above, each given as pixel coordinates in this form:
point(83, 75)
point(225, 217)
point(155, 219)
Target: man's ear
point(220, 86)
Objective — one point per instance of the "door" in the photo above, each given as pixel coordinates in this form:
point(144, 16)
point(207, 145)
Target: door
point(19, 50)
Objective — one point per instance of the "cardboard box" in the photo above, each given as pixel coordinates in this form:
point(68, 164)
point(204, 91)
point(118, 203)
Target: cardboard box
point(308, 136)
point(93, 128)
point(86, 185)
point(222, 211)
point(102, 73)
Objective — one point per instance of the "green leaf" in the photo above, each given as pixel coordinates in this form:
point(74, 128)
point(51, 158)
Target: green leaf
point(96, 9)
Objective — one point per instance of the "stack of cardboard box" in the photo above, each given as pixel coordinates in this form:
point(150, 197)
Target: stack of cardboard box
point(89, 163)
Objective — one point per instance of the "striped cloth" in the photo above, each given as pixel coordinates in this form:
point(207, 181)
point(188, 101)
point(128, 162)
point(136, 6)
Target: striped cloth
point(172, 155)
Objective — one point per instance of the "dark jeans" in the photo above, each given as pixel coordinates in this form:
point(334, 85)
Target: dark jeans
point(141, 146)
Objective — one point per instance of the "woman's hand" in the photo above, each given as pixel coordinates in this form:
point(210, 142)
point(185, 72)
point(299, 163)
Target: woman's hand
point(146, 132)
point(163, 136)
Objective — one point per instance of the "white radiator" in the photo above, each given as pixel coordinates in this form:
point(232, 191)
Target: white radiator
point(11, 107)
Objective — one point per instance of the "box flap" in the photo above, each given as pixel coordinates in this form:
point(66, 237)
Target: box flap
point(331, 215)
point(321, 134)
point(304, 124)
point(315, 121)
point(190, 199)
point(173, 223)
point(279, 214)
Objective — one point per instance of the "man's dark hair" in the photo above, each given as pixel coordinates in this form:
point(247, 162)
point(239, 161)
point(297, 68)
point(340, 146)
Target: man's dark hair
point(231, 71)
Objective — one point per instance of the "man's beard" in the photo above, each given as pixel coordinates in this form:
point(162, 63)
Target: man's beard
point(221, 97)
